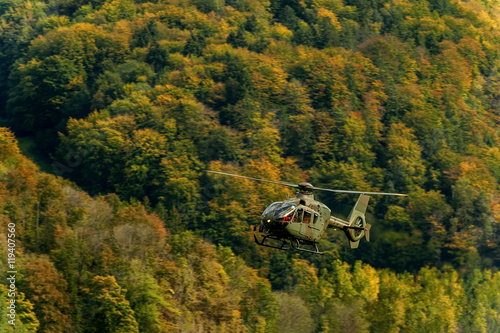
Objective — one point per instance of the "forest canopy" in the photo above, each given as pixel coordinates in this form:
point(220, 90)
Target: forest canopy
point(130, 101)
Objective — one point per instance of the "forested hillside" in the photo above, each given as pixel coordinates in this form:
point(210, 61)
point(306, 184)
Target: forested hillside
point(132, 100)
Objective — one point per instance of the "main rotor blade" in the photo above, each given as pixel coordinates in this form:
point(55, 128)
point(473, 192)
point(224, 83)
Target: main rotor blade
point(257, 179)
point(358, 192)
point(297, 186)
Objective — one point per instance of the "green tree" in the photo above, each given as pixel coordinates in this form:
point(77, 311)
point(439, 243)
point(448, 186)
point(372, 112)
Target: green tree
point(194, 45)
point(237, 39)
point(46, 83)
point(105, 308)
point(153, 308)
point(57, 79)
point(237, 80)
point(482, 307)
point(148, 34)
point(393, 302)
point(344, 309)
point(326, 34)
point(208, 6)
point(405, 163)
point(298, 122)
point(437, 302)
point(21, 22)
point(294, 314)
point(322, 74)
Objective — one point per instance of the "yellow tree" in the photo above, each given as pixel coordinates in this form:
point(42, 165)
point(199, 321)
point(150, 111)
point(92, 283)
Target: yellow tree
point(25, 318)
point(436, 302)
point(393, 300)
point(105, 308)
point(344, 308)
point(405, 161)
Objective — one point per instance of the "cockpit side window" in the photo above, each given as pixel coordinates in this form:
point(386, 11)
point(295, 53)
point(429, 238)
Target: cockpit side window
point(298, 215)
point(307, 217)
point(304, 216)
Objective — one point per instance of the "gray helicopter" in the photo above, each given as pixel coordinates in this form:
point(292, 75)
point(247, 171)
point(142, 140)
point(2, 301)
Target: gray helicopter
point(301, 221)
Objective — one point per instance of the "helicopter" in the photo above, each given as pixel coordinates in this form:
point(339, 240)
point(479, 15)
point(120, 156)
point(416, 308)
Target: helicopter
point(301, 221)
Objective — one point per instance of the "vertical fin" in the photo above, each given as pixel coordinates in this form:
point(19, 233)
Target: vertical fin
point(359, 207)
point(357, 225)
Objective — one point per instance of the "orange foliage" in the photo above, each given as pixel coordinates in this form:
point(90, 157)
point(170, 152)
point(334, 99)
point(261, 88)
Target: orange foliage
point(476, 172)
point(46, 288)
point(139, 216)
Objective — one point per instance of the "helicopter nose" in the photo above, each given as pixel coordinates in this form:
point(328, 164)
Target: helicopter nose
point(268, 216)
point(268, 219)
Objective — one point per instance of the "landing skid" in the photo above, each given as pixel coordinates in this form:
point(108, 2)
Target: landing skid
point(297, 246)
point(263, 242)
point(295, 242)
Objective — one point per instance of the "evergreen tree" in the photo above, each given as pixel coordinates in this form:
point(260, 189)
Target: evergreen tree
point(195, 45)
point(237, 39)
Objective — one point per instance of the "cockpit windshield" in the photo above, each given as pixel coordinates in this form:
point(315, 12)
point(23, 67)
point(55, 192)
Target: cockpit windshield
point(271, 208)
point(279, 211)
point(285, 210)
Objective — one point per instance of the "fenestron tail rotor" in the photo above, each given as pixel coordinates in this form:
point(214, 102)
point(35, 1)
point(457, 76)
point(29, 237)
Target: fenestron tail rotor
point(304, 186)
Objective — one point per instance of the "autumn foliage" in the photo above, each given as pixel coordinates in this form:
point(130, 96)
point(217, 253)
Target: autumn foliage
point(130, 101)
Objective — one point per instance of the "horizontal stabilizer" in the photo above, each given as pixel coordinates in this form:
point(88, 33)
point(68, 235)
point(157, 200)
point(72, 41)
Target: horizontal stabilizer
point(367, 231)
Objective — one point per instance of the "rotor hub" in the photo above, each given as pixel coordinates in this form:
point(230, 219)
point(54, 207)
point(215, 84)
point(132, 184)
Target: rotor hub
point(305, 187)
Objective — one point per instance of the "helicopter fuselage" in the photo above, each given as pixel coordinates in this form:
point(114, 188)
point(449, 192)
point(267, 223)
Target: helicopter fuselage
point(303, 220)
point(299, 217)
